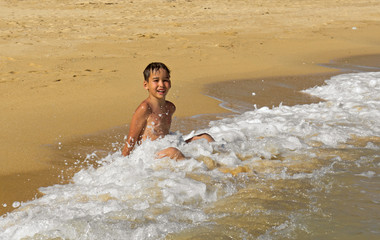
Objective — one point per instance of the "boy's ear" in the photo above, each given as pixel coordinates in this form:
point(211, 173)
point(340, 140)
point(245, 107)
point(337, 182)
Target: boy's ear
point(146, 85)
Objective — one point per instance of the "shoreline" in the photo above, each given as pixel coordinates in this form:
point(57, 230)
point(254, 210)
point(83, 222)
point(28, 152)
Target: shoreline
point(74, 68)
point(68, 156)
point(244, 94)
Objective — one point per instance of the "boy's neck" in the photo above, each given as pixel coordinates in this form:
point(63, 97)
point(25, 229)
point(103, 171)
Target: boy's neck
point(157, 103)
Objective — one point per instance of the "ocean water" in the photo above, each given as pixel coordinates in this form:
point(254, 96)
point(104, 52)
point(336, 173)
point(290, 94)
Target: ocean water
point(301, 172)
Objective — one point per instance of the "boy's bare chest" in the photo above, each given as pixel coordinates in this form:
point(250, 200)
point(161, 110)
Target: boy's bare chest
point(158, 119)
point(158, 124)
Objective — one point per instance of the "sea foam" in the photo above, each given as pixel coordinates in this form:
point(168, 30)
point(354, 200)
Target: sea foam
point(140, 197)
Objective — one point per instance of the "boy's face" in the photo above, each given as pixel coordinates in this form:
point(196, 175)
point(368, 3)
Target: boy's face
point(158, 84)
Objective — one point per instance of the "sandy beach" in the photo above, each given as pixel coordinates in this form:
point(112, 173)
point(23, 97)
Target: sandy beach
point(72, 69)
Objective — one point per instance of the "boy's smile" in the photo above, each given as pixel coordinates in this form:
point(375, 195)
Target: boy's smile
point(158, 83)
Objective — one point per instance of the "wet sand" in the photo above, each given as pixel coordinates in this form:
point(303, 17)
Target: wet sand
point(71, 70)
point(246, 94)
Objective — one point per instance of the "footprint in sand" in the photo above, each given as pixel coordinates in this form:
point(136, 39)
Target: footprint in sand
point(147, 36)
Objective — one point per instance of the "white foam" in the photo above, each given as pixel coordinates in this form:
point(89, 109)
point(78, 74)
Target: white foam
point(368, 174)
point(140, 197)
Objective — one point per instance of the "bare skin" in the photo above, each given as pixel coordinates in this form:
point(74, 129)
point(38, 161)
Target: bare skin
point(153, 117)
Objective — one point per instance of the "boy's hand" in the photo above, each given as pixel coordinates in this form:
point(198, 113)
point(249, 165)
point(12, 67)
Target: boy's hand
point(172, 153)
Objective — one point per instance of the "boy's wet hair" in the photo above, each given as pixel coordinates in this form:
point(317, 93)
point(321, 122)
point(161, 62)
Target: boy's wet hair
point(154, 66)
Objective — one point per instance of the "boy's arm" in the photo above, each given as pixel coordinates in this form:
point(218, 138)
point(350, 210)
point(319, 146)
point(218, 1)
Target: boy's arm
point(135, 129)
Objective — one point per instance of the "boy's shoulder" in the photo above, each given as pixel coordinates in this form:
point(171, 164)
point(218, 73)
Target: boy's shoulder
point(144, 108)
point(170, 106)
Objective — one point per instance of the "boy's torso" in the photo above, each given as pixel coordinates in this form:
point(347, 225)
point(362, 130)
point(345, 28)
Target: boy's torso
point(158, 123)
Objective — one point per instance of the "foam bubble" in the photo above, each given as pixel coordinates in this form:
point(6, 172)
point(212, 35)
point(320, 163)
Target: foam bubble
point(16, 204)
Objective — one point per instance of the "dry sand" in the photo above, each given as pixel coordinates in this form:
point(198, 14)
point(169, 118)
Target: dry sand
point(71, 68)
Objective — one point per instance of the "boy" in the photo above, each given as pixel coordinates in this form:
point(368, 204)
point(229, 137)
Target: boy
point(153, 117)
